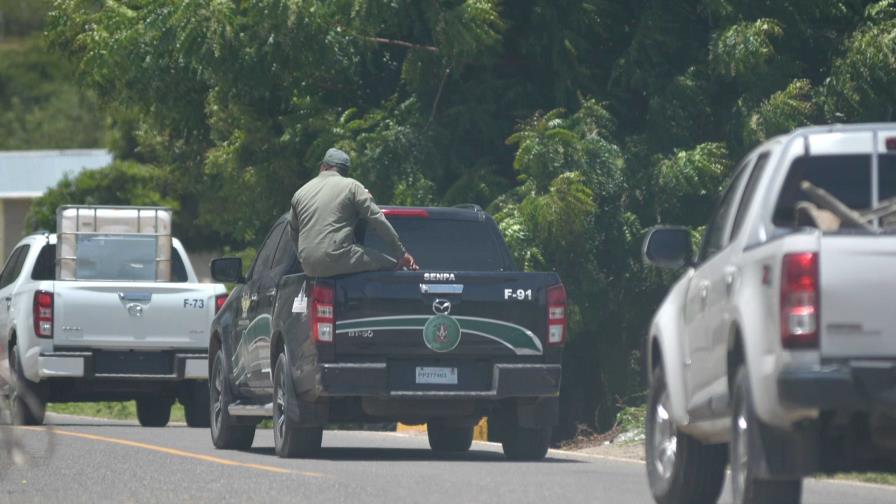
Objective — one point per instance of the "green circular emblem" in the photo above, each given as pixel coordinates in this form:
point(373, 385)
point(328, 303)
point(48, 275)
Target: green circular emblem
point(441, 333)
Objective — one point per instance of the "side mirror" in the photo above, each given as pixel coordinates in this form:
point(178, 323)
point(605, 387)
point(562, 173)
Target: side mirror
point(669, 247)
point(227, 270)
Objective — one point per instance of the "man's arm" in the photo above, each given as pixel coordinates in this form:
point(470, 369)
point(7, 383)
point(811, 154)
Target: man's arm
point(293, 223)
point(370, 212)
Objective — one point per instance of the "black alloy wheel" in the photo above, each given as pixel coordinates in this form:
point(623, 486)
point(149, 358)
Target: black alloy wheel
point(290, 439)
point(226, 433)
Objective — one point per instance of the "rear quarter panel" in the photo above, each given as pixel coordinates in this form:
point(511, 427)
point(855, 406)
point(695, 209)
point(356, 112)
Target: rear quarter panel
point(755, 316)
point(291, 330)
point(21, 320)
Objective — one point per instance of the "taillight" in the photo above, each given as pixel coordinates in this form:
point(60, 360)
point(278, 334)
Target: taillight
point(799, 300)
point(322, 316)
point(43, 314)
point(556, 314)
point(220, 299)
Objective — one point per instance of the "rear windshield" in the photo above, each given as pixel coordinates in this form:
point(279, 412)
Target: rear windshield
point(444, 244)
point(45, 267)
point(834, 194)
point(116, 257)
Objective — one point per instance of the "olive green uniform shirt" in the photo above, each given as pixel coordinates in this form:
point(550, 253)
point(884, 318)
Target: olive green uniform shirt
point(323, 218)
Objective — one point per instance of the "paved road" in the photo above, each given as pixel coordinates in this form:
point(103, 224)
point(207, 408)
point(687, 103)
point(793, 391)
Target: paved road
point(82, 460)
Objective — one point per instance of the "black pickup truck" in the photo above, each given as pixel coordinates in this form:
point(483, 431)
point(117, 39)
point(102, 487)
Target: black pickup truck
point(465, 337)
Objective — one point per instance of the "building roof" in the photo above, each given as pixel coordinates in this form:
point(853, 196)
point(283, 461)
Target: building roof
point(28, 174)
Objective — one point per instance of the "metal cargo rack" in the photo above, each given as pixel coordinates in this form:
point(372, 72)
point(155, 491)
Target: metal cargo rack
point(73, 221)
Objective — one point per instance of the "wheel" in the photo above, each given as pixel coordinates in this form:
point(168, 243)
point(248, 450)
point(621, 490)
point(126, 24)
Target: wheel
point(449, 439)
point(226, 433)
point(525, 443)
point(290, 440)
point(680, 469)
point(746, 488)
point(196, 404)
point(154, 411)
point(27, 407)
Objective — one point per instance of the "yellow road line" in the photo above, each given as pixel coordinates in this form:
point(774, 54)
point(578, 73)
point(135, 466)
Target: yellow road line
point(173, 451)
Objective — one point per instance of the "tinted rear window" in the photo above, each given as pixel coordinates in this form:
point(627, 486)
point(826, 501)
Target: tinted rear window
point(116, 257)
point(834, 193)
point(443, 244)
point(45, 267)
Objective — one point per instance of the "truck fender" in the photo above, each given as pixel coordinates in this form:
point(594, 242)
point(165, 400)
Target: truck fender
point(29, 352)
point(673, 370)
point(664, 336)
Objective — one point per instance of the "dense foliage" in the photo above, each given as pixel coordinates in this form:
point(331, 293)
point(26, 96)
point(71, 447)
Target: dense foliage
point(578, 122)
point(41, 105)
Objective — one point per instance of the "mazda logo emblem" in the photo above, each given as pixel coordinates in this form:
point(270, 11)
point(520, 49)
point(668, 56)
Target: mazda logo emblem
point(441, 306)
point(135, 310)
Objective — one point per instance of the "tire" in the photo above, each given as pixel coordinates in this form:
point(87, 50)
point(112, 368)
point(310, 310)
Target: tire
point(196, 404)
point(680, 469)
point(226, 433)
point(524, 443)
point(291, 440)
point(154, 411)
point(448, 439)
point(746, 488)
point(27, 406)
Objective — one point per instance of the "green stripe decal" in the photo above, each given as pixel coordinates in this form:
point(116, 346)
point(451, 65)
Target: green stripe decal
point(513, 335)
point(517, 338)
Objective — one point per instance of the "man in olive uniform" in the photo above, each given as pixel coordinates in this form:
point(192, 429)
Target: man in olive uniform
point(323, 218)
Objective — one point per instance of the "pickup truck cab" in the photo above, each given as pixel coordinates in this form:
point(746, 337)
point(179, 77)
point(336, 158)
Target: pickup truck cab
point(116, 333)
point(467, 336)
point(779, 340)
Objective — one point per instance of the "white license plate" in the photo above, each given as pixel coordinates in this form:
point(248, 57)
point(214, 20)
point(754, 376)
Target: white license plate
point(437, 375)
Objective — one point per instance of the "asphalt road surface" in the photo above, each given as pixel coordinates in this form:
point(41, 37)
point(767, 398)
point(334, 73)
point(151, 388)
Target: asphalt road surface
point(84, 460)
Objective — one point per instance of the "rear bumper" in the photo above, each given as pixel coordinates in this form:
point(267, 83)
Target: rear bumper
point(78, 364)
point(508, 380)
point(854, 385)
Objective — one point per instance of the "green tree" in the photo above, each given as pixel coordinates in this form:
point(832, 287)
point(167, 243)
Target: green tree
point(580, 123)
point(121, 183)
point(40, 106)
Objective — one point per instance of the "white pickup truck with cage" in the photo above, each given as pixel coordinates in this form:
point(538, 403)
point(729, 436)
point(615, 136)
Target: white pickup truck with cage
point(778, 343)
point(108, 309)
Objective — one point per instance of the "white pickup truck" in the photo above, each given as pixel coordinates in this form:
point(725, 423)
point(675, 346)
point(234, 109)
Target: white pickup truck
point(778, 344)
point(111, 322)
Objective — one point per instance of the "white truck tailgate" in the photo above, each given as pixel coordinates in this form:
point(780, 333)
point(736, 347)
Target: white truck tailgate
point(132, 315)
point(858, 308)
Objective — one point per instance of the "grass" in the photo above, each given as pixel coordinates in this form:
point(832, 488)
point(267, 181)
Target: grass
point(631, 419)
point(120, 411)
point(110, 410)
point(870, 477)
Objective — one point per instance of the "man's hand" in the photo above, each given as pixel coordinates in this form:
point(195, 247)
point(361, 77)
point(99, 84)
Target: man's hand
point(407, 261)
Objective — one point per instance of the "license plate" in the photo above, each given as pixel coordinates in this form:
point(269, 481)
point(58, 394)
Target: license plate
point(437, 375)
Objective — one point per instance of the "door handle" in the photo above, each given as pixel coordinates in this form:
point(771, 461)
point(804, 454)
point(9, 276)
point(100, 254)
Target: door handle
point(704, 293)
point(271, 293)
point(730, 278)
point(8, 302)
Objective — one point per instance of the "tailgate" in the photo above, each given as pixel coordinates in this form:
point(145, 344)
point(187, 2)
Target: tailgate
point(134, 315)
point(858, 278)
point(442, 316)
